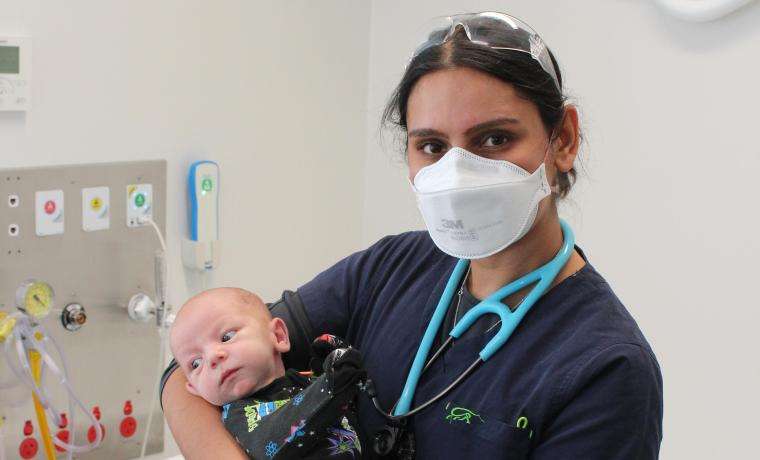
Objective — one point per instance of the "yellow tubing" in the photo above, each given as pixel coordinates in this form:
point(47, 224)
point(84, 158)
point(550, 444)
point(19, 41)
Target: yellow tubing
point(47, 440)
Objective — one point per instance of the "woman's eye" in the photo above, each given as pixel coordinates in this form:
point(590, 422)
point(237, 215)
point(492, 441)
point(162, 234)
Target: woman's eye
point(432, 148)
point(228, 336)
point(195, 364)
point(495, 140)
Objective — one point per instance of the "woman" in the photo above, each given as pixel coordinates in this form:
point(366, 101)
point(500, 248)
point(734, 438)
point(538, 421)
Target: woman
point(491, 146)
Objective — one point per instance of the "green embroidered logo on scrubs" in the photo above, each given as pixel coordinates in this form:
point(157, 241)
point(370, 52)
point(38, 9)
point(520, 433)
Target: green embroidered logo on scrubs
point(522, 423)
point(461, 414)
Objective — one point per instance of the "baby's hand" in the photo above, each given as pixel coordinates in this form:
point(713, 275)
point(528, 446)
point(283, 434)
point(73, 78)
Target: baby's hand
point(321, 347)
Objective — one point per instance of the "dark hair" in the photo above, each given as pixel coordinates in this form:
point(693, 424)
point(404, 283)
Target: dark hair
point(514, 67)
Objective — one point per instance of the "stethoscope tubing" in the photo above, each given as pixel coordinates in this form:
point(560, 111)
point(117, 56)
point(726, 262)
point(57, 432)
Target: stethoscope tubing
point(544, 276)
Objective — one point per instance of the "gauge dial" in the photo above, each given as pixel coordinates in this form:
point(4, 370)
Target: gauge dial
point(35, 298)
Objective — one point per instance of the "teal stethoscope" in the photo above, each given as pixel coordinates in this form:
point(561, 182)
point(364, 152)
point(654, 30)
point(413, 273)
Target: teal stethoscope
point(543, 277)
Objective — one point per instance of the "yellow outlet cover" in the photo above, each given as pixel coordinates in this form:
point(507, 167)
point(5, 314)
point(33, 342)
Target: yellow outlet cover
point(95, 204)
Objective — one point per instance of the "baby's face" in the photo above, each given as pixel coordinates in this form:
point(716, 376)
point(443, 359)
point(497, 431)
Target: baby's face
point(226, 349)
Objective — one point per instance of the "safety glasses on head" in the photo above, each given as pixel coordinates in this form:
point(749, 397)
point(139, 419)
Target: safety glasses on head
point(495, 30)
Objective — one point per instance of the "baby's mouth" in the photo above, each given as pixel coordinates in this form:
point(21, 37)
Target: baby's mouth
point(226, 374)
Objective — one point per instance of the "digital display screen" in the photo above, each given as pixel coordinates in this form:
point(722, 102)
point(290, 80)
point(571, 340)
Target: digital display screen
point(9, 59)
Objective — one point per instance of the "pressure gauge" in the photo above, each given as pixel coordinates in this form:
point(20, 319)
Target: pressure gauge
point(35, 298)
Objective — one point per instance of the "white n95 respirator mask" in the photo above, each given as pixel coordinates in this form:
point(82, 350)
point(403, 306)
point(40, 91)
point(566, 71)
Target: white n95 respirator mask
point(474, 207)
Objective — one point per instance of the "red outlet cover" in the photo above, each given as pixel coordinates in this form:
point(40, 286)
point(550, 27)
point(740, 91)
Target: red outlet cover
point(91, 434)
point(63, 435)
point(128, 408)
point(28, 428)
point(28, 448)
point(128, 427)
point(49, 207)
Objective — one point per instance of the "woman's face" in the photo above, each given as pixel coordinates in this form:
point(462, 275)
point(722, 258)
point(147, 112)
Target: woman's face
point(462, 107)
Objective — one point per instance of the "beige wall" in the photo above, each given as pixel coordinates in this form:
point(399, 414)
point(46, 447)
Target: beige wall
point(667, 209)
point(274, 91)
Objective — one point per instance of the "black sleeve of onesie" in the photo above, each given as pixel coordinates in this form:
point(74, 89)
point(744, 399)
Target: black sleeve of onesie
point(290, 309)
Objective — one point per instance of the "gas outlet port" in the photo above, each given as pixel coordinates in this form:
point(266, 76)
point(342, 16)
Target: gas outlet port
point(13, 229)
point(73, 317)
point(13, 201)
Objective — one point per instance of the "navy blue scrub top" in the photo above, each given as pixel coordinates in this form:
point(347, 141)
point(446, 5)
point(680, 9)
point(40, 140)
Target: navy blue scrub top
point(577, 370)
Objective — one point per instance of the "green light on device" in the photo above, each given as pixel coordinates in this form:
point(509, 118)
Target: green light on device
point(206, 185)
point(139, 200)
point(9, 59)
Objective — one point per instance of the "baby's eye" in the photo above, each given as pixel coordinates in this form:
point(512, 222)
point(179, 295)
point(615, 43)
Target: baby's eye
point(195, 363)
point(228, 336)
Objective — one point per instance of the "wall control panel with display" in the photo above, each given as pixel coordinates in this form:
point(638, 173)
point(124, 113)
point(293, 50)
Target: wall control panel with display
point(15, 57)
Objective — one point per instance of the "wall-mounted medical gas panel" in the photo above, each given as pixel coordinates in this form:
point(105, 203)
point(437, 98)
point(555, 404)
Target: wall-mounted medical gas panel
point(15, 73)
point(70, 227)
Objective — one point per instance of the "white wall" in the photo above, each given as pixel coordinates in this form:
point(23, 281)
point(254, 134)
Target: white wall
point(274, 91)
point(286, 97)
point(667, 207)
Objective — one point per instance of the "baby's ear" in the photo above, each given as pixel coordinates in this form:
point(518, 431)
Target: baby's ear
point(191, 389)
point(280, 331)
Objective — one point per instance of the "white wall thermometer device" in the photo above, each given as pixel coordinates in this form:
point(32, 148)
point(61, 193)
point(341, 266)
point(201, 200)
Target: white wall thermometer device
point(15, 73)
point(201, 252)
point(203, 190)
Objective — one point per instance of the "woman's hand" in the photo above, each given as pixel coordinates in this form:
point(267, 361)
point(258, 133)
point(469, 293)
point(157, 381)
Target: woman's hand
point(196, 425)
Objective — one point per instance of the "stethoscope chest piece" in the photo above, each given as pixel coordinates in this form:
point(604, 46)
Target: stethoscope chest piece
point(395, 441)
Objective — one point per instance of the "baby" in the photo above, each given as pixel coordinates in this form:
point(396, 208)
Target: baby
point(230, 349)
point(228, 345)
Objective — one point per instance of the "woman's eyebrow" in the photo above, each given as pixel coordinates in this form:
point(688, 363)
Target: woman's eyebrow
point(491, 124)
point(430, 132)
point(426, 132)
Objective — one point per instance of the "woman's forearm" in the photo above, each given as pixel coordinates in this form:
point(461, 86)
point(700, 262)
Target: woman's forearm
point(196, 425)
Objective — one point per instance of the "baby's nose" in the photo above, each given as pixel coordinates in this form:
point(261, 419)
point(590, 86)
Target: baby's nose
point(217, 358)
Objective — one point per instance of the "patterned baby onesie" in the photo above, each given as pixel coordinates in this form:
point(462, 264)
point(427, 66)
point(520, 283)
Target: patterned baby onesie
point(300, 417)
